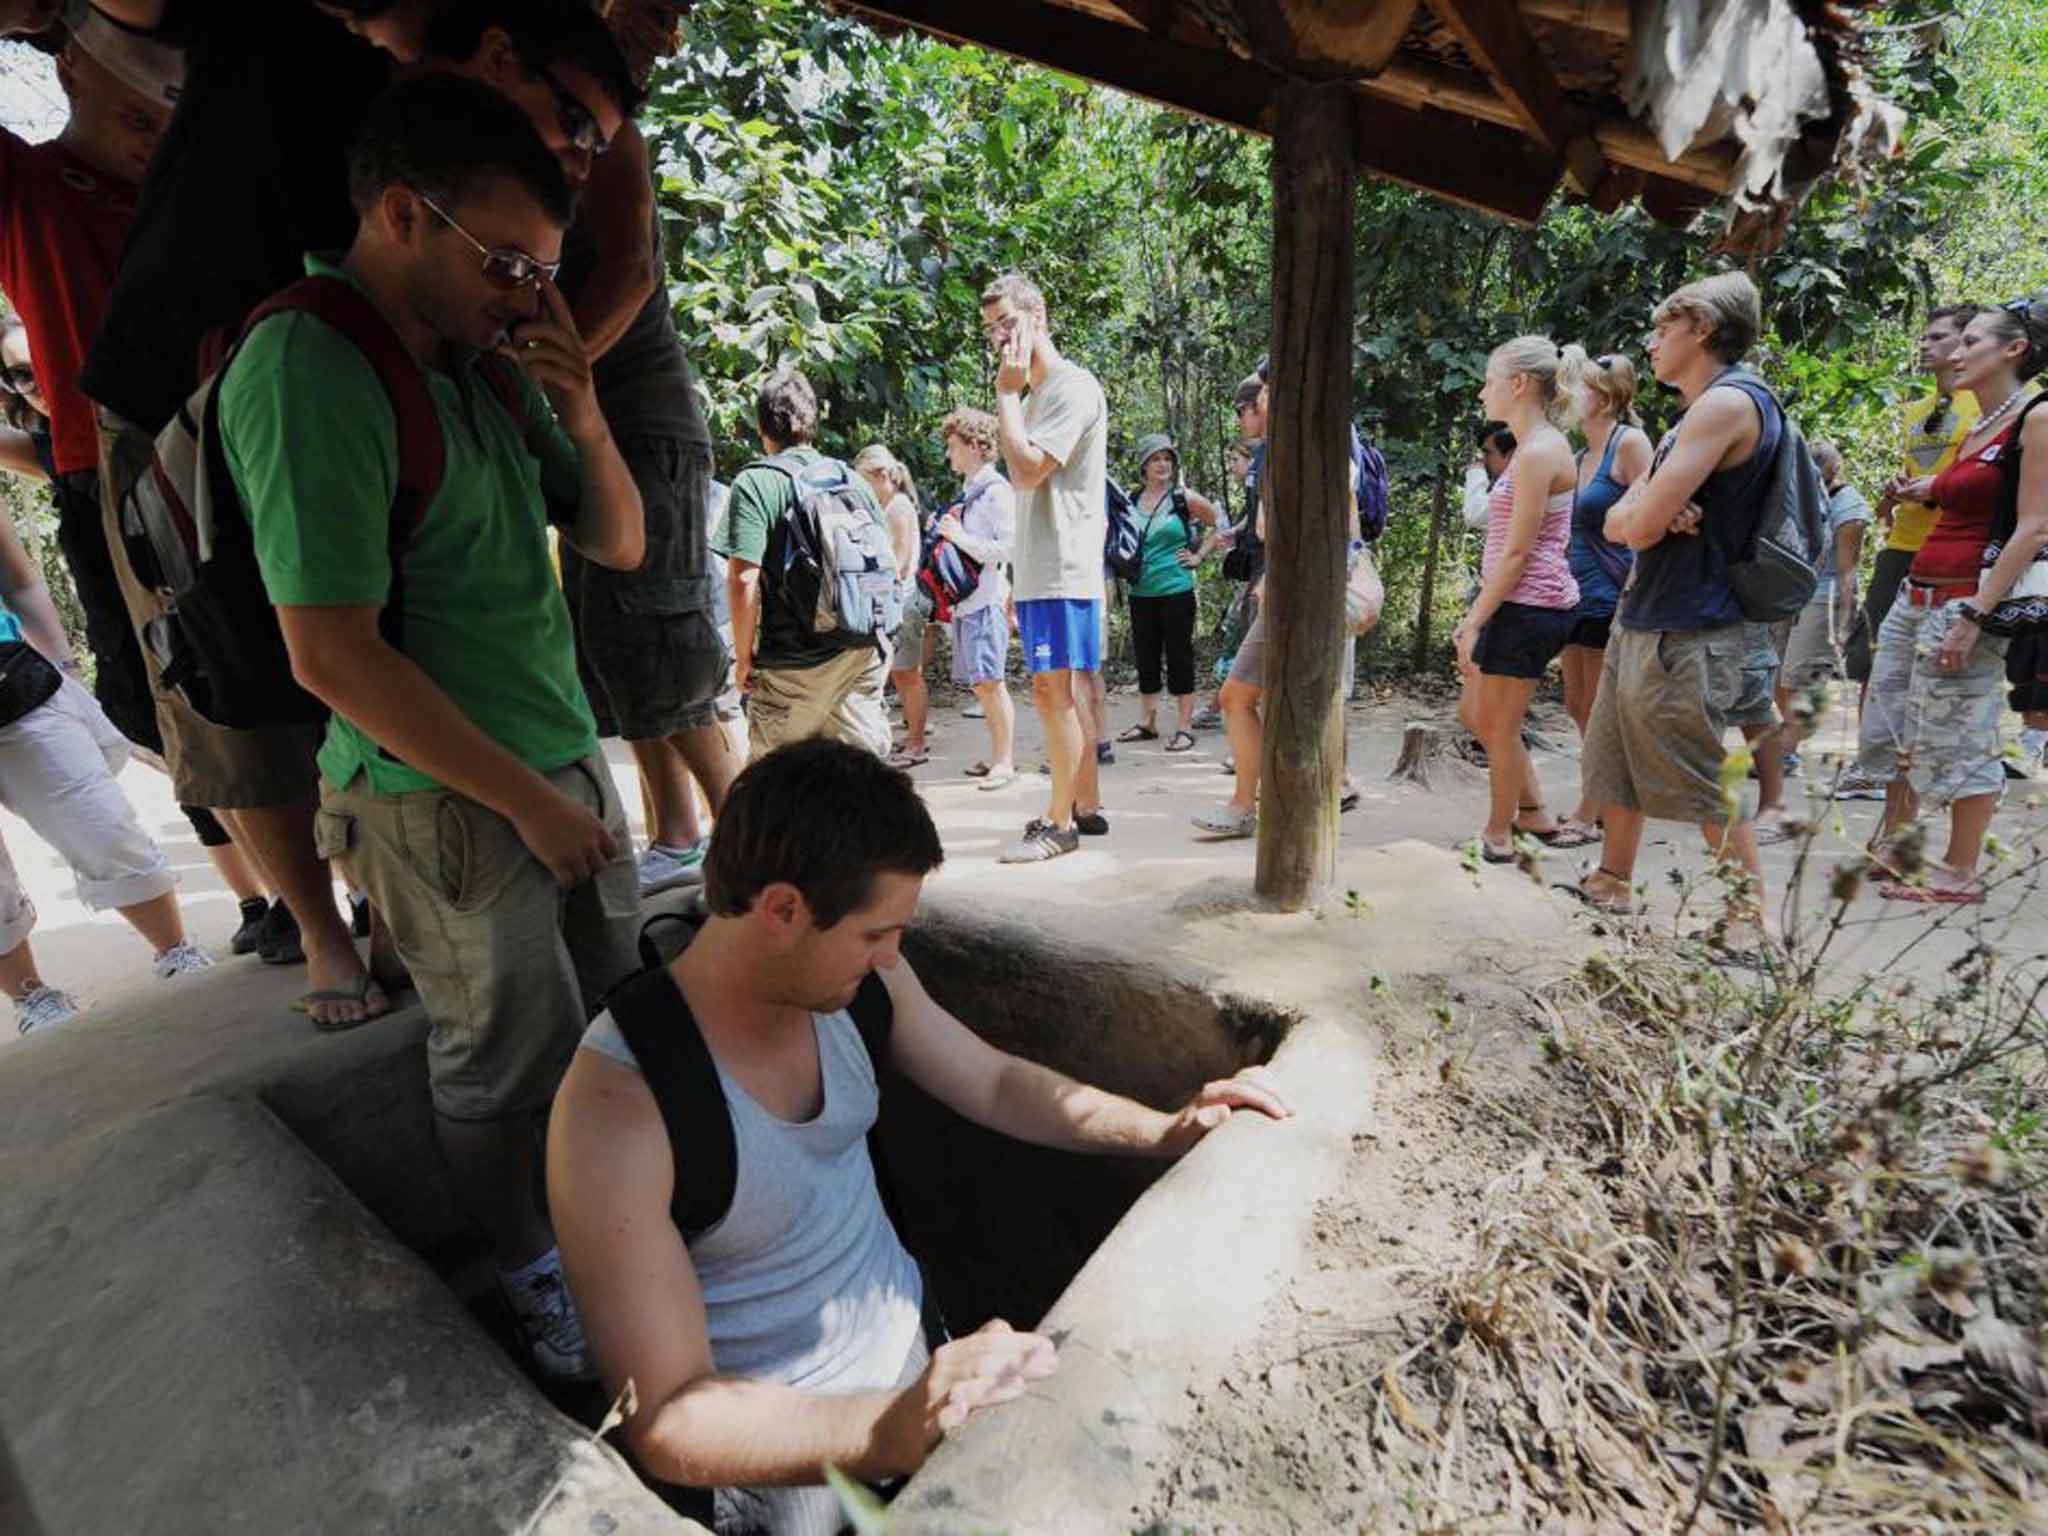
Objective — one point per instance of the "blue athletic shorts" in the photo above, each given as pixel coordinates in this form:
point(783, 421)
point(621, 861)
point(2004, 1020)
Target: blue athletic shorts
point(1061, 634)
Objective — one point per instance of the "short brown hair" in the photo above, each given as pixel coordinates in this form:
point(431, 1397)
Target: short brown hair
point(786, 409)
point(1960, 314)
point(1022, 293)
point(977, 429)
point(825, 817)
point(1249, 389)
point(1729, 303)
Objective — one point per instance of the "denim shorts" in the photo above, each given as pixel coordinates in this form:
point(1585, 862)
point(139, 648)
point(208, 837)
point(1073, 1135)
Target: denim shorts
point(981, 646)
point(1061, 634)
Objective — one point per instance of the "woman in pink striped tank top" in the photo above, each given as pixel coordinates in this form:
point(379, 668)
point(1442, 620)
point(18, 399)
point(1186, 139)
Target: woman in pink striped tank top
point(1524, 612)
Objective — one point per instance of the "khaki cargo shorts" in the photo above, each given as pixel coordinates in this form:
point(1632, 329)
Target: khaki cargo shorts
point(1655, 742)
point(215, 766)
point(509, 965)
point(840, 698)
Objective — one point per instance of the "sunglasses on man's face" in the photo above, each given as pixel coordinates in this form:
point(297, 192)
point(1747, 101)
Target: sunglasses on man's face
point(505, 267)
point(18, 381)
point(579, 125)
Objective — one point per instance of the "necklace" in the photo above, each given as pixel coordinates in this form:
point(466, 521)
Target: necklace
point(1991, 418)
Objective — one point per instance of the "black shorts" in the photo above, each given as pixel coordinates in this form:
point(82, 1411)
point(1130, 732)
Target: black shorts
point(1590, 630)
point(1520, 641)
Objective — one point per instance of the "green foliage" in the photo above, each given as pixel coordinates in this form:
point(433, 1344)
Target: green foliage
point(837, 199)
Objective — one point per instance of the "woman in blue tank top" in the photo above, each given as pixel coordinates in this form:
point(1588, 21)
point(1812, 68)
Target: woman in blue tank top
point(1618, 454)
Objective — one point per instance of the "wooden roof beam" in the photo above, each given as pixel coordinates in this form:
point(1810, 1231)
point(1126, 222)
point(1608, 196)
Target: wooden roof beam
point(1482, 165)
point(1501, 44)
point(1418, 83)
point(1608, 18)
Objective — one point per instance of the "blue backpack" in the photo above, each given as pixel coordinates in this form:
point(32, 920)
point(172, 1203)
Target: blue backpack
point(1370, 483)
point(1123, 542)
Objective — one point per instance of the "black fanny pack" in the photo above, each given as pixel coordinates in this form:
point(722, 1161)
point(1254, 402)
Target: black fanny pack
point(27, 680)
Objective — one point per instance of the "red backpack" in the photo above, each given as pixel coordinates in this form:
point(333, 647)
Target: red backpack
point(188, 539)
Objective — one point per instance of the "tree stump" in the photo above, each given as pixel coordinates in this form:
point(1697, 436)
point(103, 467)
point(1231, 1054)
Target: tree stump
point(1431, 749)
point(1429, 746)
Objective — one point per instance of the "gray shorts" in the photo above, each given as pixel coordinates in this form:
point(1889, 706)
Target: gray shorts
point(906, 646)
point(648, 647)
point(508, 964)
point(1654, 744)
point(1757, 704)
point(1248, 667)
point(1812, 650)
point(1939, 731)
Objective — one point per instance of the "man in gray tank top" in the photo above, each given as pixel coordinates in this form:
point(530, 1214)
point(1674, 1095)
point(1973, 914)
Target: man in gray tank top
point(785, 1336)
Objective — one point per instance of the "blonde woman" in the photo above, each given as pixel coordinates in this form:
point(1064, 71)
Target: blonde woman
point(1617, 455)
point(896, 493)
point(1528, 596)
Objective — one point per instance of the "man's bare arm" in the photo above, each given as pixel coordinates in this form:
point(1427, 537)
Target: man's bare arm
point(610, 526)
point(618, 208)
point(1036, 1104)
point(611, 1176)
point(1714, 431)
point(743, 601)
point(142, 15)
point(1027, 463)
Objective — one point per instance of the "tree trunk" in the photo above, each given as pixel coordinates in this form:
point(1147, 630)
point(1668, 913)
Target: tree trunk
point(1439, 501)
point(1315, 179)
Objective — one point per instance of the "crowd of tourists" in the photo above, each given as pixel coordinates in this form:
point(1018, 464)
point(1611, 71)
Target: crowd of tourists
point(1650, 572)
point(386, 491)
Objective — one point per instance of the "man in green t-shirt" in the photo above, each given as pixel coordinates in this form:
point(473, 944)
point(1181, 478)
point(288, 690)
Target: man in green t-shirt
point(460, 772)
point(797, 684)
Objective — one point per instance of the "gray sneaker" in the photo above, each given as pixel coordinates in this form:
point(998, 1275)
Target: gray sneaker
point(1855, 784)
point(41, 1006)
point(663, 868)
point(182, 959)
point(546, 1314)
point(1041, 841)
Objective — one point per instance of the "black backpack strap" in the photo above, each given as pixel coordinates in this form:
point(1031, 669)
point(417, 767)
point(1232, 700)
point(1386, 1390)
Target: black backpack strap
point(655, 1020)
point(2007, 520)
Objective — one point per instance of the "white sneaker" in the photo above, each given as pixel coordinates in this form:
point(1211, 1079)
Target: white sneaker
point(180, 959)
point(546, 1312)
point(41, 1006)
point(1855, 784)
point(663, 868)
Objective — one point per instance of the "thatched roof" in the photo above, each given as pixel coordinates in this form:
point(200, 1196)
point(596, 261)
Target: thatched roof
point(1492, 103)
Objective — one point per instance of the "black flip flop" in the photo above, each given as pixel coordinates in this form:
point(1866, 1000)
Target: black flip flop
point(1138, 733)
point(1183, 741)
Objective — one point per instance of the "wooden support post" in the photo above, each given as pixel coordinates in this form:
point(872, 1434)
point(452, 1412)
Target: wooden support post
point(1308, 473)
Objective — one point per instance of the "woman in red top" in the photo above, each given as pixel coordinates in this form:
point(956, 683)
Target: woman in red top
point(1930, 724)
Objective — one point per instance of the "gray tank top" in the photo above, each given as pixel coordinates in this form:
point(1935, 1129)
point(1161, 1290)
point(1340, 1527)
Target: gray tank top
point(805, 1281)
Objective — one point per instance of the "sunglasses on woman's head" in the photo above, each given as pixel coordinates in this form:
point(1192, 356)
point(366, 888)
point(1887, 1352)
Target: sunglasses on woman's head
point(505, 267)
point(18, 381)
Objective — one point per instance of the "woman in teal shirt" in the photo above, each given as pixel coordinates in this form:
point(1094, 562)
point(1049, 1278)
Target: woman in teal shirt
point(1163, 596)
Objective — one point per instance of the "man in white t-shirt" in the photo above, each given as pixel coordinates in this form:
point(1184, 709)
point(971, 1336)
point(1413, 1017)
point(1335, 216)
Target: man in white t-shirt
point(1055, 447)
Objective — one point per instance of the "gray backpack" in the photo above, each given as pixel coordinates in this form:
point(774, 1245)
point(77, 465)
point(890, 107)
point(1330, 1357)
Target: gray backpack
point(836, 565)
point(1776, 573)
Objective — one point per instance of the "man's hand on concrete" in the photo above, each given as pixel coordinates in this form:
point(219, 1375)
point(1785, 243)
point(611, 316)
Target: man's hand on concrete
point(1251, 1089)
point(992, 1365)
point(571, 842)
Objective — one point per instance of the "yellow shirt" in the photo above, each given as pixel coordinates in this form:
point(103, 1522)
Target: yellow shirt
point(1931, 438)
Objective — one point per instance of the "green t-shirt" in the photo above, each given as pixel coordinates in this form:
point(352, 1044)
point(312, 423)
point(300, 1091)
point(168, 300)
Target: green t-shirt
point(312, 445)
point(1166, 535)
point(753, 530)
